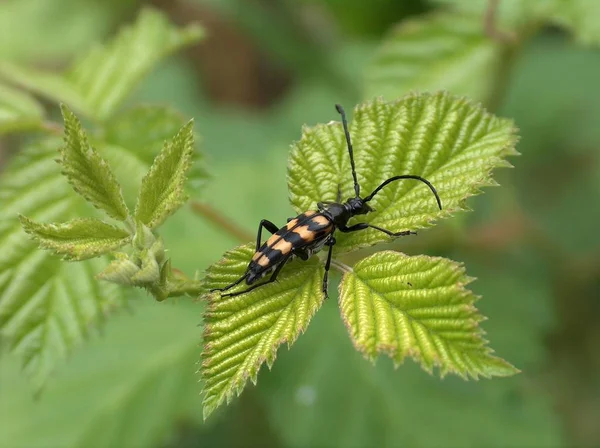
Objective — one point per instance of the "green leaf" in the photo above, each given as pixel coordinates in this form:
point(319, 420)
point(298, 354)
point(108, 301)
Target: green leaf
point(133, 138)
point(78, 239)
point(18, 111)
point(120, 270)
point(149, 270)
point(418, 307)
point(162, 191)
point(107, 75)
point(511, 15)
point(88, 173)
point(439, 51)
point(97, 84)
point(581, 17)
point(324, 394)
point(41, 37)
point(450, 141)
point(132, 387)
point(47, 306)
point(244, 331)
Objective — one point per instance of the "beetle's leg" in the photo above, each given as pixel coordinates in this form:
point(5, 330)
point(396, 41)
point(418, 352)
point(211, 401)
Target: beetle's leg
point(271, 228)
point(271, 280)
point(364, 225)
point(339, 193)
point(302, 254)
point(267, 225)
point(330, 242)
point(237, 282)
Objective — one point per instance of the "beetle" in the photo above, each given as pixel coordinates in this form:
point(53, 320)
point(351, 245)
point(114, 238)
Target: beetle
point(309, 232)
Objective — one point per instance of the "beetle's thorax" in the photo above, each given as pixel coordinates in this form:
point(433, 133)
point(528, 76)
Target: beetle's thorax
point(340, 214)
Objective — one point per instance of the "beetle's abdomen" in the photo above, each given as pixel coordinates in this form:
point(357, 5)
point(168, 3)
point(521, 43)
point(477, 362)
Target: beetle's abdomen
point(306, 231)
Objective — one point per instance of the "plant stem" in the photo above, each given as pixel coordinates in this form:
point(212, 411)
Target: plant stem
point(343, 268)
point(490, 24)
point(221, 222)
point(52, 127)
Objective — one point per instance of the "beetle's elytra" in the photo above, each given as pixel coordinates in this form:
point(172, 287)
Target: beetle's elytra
point(309, 232)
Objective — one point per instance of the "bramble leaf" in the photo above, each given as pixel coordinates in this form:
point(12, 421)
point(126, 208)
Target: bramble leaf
point(450, 141)
point(162, 191)
point(18, 111)
point(418, 307)
point(120, 270)
point(511, 16)
point(88, 173)
point(141, 371)
point(97, 84)
point(459, 58)
point(135, 136)
point(78, 239)
point(244, 331)
point(326, 386)
point(580, 17)
point(47, 306)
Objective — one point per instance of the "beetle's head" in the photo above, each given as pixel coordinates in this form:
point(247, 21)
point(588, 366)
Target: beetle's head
point(358, 206)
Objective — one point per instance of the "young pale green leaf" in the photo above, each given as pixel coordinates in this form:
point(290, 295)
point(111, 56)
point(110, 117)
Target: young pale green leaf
point(450, 141)
point(140, 132)
point(439, 51)
point(47, 306)
point(120, 270)
point(97, 84)
point(244, 331)
point(162, 191)
point(18, 111)
point(418, 307)
point(88, 173)
point(78, 239)
point(149, 270)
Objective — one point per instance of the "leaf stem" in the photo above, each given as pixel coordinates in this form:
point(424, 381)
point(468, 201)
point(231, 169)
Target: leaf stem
point(221, 221)
point(344, 268)
point(490, 22)
point(191, 288)
point(52, 127)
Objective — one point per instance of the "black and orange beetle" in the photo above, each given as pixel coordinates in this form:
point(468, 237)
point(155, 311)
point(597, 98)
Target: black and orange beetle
point(311, 231)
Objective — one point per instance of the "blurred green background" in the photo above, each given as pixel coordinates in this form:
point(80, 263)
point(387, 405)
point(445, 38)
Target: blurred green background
point(266, 68)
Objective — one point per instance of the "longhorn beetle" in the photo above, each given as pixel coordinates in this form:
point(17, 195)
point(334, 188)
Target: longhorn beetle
point(309, 232)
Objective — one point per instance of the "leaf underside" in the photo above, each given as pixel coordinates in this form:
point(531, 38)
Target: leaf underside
point(417, 307)
point(88, 173)
point(140, 133)
point(162, 191)
point(78, 239)
point(450, 141)
point(244, 331)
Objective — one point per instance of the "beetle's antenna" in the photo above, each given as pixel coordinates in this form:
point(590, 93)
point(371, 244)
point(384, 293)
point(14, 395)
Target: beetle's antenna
point(407, 176)
point(340, 109)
